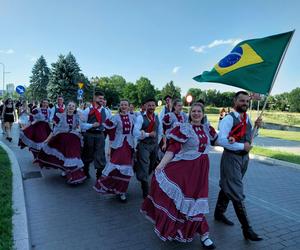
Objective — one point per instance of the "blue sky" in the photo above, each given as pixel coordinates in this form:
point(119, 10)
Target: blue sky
point(162, 40)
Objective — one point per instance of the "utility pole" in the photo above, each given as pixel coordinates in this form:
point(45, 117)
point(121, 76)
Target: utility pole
point(3, 76)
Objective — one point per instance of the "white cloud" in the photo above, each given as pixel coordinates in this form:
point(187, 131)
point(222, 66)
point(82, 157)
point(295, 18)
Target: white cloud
point(175, 69)
point(33, 59)
point(215, 43)
point(8, 51)
point(198, 49)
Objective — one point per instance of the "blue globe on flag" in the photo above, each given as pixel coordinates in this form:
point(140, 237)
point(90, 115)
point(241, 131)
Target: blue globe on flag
point(234, 56)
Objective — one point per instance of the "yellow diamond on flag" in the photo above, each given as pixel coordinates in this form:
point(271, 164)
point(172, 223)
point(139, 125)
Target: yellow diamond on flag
point(80, 85)
point(239, 57)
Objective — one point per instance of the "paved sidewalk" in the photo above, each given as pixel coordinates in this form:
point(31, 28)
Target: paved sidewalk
point(62, 217)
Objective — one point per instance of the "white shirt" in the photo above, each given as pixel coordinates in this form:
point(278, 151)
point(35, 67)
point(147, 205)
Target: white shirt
point(85, 114)
point(225, 127)
point(138, 133)
point(53, 111)
point(162, 114)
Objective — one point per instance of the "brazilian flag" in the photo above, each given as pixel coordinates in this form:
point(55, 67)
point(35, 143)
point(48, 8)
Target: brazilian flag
point(251, 65)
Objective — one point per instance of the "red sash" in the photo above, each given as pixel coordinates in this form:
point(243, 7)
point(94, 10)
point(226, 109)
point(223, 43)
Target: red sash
point(239, 130)
point(95, 111)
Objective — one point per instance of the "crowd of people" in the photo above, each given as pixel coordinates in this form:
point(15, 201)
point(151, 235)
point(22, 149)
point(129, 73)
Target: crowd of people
point(168, 154)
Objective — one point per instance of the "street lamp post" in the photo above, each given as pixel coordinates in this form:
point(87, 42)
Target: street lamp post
point(3, 76)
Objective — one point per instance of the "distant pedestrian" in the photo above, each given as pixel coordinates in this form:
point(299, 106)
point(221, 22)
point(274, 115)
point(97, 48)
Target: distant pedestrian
point(1, 118)
point(222, 114)
point(8, 117)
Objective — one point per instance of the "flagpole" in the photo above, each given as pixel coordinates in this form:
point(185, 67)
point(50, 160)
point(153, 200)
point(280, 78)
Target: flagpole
point(274, 78)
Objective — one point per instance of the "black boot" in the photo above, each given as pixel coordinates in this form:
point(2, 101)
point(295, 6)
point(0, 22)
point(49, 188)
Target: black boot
point(241, 213)
point(221, 207)
point(98, 173)
point(86, 169)
point(145, 188)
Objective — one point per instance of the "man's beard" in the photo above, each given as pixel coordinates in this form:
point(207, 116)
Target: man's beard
point(241, 109)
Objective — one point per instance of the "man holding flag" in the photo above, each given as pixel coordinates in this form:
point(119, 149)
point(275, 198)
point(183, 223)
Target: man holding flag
point(252, 65)
point(235, 158)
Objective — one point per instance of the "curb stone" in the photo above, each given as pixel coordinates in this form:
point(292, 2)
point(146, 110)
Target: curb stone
point(267, 160)
point(19, 218)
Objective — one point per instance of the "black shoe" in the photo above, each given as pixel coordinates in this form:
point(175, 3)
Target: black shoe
point(249, 234)
point(222, 218)
point(86, 169)
point(98, 174)
point(211, 246)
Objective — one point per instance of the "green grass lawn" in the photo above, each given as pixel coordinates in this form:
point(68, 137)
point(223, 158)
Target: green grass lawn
point(285, 118)
point(280, 134)
point(5, 202)
point(269, 116)
point(276, 154)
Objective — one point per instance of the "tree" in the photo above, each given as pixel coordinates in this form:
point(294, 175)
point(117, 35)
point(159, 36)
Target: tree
point(64, 78)
point(145, 89)
point(294, 97)
point(39, 79)
point(226, 99)
point(119, 84)
point(196, 94)
point(172, 90)
point(130, 93)
point(110, 90)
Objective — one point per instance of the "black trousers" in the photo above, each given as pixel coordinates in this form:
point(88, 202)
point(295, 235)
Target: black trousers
point(94, 150)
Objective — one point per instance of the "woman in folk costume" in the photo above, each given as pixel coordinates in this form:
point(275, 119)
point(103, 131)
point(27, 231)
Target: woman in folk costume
point(63, 147)
point(34, 135)
point(171, 119)
point(24, 115)
point(178, 200)
point(118, 171)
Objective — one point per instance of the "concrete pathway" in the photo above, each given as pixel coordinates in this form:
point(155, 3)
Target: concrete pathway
point(62, 217)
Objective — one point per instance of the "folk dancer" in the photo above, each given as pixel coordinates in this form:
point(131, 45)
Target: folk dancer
point(235, 136)
point(147, 129)
point(118, 171)
point(94, 118)
point(178, 199)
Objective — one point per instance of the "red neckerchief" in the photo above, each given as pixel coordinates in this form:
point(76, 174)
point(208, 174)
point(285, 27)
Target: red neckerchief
point(60, 109)
point(179, 117)
point(95, 111)
point(151, 124)
point(239, 130)
point(45, 112)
